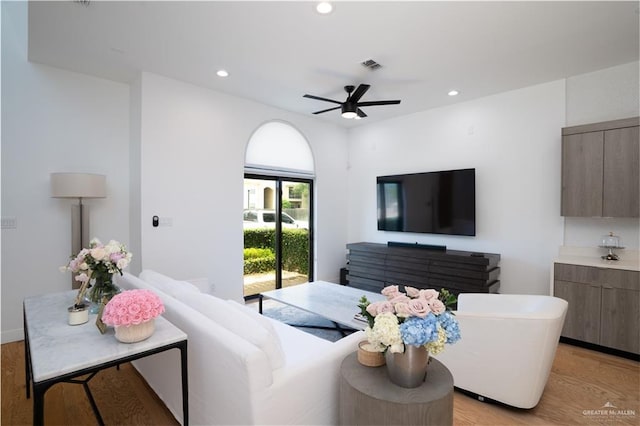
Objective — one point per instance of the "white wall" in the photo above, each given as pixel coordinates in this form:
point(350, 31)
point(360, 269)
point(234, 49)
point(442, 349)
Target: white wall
point(512, 140)
point(193, 146)
point(607, 94)
point(53, 121)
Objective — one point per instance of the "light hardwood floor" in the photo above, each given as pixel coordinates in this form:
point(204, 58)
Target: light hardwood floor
point(582, 381)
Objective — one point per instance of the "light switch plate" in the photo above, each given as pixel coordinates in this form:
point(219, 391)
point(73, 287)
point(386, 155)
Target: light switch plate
point(166, 221)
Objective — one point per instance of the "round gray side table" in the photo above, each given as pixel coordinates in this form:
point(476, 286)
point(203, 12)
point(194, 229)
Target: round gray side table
point(367, 396)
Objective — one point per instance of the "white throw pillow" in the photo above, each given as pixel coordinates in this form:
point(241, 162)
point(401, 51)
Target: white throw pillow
point(237, 322)
point(255, 315)
point(153, 277)
point(166, 284)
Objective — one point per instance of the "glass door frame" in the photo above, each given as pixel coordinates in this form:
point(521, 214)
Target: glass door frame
point(279, 179)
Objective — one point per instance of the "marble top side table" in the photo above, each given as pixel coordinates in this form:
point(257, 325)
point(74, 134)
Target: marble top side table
point(57, 352)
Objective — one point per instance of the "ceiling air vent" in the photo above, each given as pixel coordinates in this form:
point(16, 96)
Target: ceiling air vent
point(371, 64)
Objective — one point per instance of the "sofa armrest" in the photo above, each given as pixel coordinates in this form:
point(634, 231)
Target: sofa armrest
point(225, 371)
point(308, 393)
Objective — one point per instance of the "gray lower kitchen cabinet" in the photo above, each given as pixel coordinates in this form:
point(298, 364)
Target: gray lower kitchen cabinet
point(619, 320)
point(583, 317)
point(604, 305)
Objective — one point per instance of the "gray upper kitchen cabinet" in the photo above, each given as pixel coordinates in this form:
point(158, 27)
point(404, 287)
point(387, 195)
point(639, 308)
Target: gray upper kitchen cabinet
point(600, 164)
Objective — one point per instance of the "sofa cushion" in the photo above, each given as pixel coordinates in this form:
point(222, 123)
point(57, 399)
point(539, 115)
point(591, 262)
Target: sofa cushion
point(167, 284)
point(239, 323)
point(255, 315)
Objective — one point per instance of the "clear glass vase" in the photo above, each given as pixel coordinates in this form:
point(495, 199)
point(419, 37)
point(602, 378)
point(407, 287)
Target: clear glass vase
point(102, 288)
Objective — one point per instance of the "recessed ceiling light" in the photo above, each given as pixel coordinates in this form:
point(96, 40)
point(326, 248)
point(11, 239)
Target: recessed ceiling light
point(222, 73)
point(453, 93)
point(324, 7)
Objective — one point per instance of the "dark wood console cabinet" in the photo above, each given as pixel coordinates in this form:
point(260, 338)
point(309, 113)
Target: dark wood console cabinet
point(373, 266)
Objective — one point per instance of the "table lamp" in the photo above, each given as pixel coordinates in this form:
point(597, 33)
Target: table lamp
point(78, 185)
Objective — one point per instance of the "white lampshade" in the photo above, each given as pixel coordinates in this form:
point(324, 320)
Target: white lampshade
point(78, 185)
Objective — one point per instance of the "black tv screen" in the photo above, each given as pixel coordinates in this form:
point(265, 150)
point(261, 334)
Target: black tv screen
point(432, 203)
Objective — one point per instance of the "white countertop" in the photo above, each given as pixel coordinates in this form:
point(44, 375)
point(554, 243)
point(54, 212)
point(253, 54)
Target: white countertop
point(587, 256)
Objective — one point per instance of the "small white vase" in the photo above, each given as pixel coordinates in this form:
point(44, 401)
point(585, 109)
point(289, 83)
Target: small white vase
point(135, 333)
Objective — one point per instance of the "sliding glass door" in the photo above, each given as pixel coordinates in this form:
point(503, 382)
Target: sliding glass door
point(277, 253)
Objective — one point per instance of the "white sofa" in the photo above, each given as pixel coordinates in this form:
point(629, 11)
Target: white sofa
point(243, 368)
point(507, 347)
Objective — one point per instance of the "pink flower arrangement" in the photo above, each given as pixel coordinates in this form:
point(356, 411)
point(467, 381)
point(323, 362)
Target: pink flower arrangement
point(132, 307)
point(418, 317)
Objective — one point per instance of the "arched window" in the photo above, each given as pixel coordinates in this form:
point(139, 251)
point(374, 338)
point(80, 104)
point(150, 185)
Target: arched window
point(278, 147)
point(278, 182)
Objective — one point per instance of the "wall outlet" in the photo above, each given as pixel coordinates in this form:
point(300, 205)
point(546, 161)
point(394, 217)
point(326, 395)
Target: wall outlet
point(9, 223)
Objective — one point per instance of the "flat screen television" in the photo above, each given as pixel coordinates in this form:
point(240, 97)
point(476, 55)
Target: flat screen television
point(432, 203)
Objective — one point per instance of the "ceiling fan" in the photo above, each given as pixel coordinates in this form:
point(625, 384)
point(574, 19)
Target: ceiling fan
point(351, 107)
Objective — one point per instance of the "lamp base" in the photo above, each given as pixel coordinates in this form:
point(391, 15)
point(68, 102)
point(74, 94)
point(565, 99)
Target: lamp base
point(79, 233)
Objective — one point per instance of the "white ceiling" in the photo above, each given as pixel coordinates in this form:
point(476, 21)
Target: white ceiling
point(276, 52)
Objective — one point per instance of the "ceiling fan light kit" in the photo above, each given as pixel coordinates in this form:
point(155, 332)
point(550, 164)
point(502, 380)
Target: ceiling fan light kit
point(349, 110)
point(351, 106)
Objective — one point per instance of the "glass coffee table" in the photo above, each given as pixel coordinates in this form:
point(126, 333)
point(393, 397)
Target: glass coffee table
point(335, 302)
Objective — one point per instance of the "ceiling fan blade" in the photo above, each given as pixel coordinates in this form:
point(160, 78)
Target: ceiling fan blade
point(372, 103)
point(321, 99)
point(326, 110)
point(361, 113)
point(361, 90)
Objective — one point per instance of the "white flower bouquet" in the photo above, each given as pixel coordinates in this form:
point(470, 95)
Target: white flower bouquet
point(417, 317)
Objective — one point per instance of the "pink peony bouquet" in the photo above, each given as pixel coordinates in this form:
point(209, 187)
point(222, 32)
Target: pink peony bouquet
point(132, 307)
point(419, 317)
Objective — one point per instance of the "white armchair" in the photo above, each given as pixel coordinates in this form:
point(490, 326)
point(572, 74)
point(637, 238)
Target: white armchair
point(507, 347)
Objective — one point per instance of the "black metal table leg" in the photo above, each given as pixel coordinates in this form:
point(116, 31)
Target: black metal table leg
point(39, 390)
point(92, 401)
point(340, 329)
point(260, 303)
point(27, 356)
point(185, 383)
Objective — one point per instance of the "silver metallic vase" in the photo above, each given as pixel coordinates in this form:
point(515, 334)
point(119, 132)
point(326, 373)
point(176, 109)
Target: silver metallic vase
point(408, 369)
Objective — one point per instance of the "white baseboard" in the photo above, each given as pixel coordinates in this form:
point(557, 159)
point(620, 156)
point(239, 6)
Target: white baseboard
point(12, 335)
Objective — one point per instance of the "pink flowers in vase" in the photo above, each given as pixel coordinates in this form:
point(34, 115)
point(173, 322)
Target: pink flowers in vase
point(418, 317)
point(132, 307)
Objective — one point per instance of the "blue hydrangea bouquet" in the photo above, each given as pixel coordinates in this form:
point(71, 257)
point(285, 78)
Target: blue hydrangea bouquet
point(419, 317)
